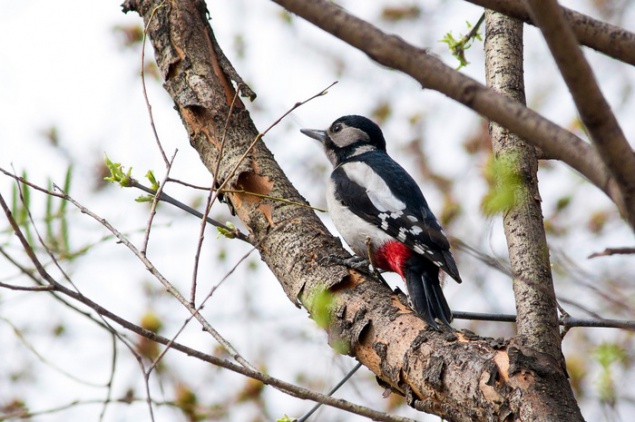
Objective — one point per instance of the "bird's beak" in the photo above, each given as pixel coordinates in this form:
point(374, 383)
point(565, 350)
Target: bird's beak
point(320, 135)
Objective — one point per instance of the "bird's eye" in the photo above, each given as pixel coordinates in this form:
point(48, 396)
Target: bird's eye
point(336, 128)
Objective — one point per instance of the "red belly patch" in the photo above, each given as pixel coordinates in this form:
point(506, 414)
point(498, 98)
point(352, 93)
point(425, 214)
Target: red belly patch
point(391, 256)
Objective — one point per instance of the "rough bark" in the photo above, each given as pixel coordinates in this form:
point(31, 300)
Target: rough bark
point(537, 319)
point(459, 376)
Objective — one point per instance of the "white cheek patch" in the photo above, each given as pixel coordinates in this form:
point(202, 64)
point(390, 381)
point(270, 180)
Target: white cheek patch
point(347, 136)
point(377, 190)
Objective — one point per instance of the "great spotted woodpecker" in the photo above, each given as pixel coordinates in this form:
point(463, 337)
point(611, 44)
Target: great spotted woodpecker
point(381, 213)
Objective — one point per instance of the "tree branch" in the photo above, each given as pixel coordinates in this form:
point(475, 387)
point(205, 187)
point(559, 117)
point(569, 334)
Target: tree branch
point(595, 111)
point(537, 320)
point(394, 52)
point(609, 39)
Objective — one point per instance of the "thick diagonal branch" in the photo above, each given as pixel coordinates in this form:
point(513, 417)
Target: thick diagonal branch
point(394, 52)
point(595, 111)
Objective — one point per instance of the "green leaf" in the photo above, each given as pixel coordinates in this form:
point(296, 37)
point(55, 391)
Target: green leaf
point(222, 231)
point(145, 198)
point(610, 353)
point(460, 46)
point(505, 185)
point(117, 174)
point(65, 242)
point(154, 185)
point(321, 307)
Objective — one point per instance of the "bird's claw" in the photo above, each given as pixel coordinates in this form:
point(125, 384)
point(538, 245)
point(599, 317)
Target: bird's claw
point(354, 262)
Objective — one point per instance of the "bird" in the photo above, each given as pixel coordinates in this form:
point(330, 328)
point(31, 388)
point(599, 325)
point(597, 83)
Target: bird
point(381, 213)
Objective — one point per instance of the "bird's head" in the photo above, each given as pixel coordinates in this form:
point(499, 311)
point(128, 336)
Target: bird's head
point(348, 137)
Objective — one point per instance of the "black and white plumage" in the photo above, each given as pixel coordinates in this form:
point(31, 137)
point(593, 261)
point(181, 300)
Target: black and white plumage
point(372, 197)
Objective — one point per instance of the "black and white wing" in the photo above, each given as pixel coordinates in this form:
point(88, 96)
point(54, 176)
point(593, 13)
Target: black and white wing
point(399, 210)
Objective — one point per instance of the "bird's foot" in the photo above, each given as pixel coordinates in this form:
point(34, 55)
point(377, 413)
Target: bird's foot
point(354, 262)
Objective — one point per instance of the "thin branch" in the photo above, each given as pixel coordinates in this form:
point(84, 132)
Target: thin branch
point(30, 275)
point(200, 307)
point(170, 200)
point(273, 198)
point(30, 184)
point(262, 134)
point(41, 240)
point(155, 272)
point(25, 414)
point(251, 372)
point(27, 288)
point(568, 321)
point(143, 84)
point(595, 111)
point(189, 185)
point(51, 281)
point(613, 251)
point(109, 385)
point(211, 198)
point(155, 202)
point(350, 373)
point(45, 361)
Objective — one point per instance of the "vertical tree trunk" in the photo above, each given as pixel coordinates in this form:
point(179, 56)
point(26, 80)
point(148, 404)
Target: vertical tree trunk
point(536, 305)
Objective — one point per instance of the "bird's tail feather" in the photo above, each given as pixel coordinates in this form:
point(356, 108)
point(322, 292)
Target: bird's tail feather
point(427, 296)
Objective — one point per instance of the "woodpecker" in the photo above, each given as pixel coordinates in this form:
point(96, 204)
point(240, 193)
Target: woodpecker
point(382, 215)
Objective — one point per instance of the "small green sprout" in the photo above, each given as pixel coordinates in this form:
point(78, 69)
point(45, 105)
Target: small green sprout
point(505, 185)
point(321, 306)
point(460, 46)
point(222, 231)
point(117, 174)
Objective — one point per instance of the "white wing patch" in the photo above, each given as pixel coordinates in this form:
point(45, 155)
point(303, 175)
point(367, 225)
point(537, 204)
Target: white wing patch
point(377, 190)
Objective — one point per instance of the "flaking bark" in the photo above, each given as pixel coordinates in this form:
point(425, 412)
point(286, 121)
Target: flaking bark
point(459, 376)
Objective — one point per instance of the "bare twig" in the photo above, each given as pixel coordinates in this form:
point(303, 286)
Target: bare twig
point(285, 387)
point(350, 373)
point(155, 272)
point(52, 282)
point(145, 92)
point(273, 198)
point(155, 202)
point(41, 240)
point(170, 200)
point(109, 384)
point(262, 134)
point(42, 358)
point(613, 251)
point(189, 185)
point(200, 307)
point(211, 197)
point(567, 321)
point(27, 288)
